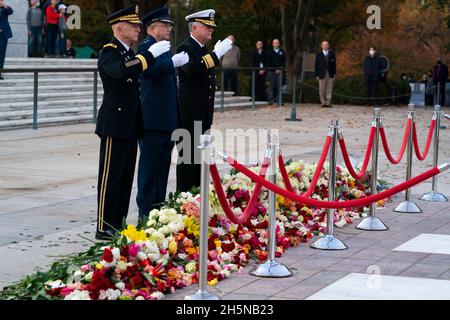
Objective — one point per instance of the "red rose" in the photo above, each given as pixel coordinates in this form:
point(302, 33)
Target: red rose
point(107, 255)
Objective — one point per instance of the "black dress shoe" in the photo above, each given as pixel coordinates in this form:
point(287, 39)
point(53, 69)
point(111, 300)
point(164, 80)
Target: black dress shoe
point(104, 235)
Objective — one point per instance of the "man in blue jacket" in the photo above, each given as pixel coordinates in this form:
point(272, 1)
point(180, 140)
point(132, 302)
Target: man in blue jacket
point(5, 31)
point(160, 114)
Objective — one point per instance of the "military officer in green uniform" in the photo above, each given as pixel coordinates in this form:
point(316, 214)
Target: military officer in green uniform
point(119, 122)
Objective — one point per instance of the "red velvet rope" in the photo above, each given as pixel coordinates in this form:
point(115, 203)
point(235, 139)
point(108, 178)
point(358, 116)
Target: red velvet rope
point(422, 156)
point(403, 147)
point(348, 164)
point(317, 172)
point(223, 199)
point(334, 204)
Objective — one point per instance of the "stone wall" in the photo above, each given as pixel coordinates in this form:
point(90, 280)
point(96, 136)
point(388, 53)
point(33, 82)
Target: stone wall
point(18, 44)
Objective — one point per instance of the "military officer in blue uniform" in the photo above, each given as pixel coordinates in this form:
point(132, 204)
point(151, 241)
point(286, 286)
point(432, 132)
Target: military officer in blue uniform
point(5, 31)
point(160, 113)
point(197, 92)
point(119, 122)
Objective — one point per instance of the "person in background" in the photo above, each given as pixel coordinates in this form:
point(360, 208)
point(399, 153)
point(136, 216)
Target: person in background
point(70, 51)
point(35, 22)
point(62, 29)
point(429, 88)
point(325, 69)
point(372, 73)
point(51, 29)
point(230, 62)
point(440, 80)
point(259, 61)
point(276, 58)
point(5, 31)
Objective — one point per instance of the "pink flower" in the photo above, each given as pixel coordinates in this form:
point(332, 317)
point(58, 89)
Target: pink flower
point(134, 249)
point(66, 291)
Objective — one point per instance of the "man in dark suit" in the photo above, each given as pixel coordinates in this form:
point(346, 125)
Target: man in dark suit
point(119, 122)
point(5, 31)
point(259, 61)
point(197, 93)
point(325, 69)
point(160, 114)
point(275, 58)
point(372, 73)
point(440, 80)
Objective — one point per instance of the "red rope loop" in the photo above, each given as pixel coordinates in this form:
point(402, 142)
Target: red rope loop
point(334, 204)
point(422, 155)
point(345, 155)
point(249, 209)
point(403, 147)
point(317, 172)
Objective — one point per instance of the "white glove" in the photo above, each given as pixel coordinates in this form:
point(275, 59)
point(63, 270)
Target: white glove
point(180, 59)
point(159, 48)
point(222, 47)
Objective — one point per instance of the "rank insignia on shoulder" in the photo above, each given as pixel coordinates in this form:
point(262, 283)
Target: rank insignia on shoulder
point(110, 45)
point(130, 80)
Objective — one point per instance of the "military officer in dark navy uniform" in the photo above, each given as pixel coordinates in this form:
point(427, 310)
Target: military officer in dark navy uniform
point(197, 92)
point(160, 113)
point(119, 122)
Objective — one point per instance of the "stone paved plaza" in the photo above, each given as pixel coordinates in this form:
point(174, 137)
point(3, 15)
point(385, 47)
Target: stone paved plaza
point(48, 208)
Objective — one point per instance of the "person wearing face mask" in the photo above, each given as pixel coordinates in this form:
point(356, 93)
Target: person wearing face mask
point(372, 74)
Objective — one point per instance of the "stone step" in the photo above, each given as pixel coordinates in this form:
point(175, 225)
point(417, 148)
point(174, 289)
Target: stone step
point(60, 116)
point(48, 75)
point(14, 105)
point(51, 88)
point(44, 96)
point(27, 123)
point(46, 61)
point(27, 80)
point(46, 113)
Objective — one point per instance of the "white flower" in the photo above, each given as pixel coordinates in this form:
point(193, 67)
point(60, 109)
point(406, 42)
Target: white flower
point(55, 284)
point(88, 277)
point(78, 295)
point(164, 230)
point(151, 222)
point(226, 256)
point(116, 253)
point(120, 285)
point(157, 295)
point(141, 256)
point(139, 298)
point(109, 294)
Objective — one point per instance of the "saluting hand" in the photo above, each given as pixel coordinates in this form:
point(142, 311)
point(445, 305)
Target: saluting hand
point(180, 59)
point(222, 47)
point(159, 48)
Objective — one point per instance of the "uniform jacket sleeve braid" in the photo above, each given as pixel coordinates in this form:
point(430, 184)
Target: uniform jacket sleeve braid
point(119, 69)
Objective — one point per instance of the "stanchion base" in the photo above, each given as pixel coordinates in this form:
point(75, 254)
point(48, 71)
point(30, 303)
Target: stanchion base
point(293, 119)
point(271, 269)
point(434, 197)
point(372, 224)
point(202, 296)
point(329, 243)
point(408, 207)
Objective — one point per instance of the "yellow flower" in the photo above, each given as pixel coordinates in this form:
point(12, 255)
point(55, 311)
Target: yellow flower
point(99, 266)
point(351, 183)
point(134, 235)
point(192, 226)
point(173, 248)
point(218, 243)
point(213, 282)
